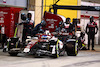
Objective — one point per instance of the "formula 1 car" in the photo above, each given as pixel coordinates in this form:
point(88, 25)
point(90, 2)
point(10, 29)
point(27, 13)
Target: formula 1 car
point(51, 45)
point(54, 45)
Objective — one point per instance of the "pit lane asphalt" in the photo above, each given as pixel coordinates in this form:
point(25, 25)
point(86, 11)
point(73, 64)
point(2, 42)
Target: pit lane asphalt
point(86, 58)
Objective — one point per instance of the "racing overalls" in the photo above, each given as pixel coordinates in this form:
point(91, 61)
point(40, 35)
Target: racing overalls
point(72, 28)
point(91, 30)
point(37, 29)
point(27, 29)
point(66, 25)
point(30, 26)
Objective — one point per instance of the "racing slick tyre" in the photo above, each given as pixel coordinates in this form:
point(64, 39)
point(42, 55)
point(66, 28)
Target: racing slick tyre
point(72, 49)
point(13, 54)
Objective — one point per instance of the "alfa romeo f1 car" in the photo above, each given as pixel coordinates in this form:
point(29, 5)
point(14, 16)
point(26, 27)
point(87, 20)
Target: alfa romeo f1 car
point(54, 45)
point(47, 44)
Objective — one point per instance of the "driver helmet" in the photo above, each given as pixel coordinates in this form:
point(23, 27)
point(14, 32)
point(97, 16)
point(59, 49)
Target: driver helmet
point(47, 32)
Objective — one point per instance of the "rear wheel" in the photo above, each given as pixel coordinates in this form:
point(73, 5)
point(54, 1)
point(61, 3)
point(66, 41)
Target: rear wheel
point(72, 50)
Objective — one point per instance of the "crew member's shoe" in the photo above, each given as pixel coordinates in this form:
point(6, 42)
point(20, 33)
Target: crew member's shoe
point(88, 49)
point(93, 49)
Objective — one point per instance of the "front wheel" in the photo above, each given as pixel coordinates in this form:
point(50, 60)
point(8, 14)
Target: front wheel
point(13, 54)
point(37, 55)
point(56, 55)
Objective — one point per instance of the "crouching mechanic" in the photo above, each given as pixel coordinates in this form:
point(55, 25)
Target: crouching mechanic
point(81, 40)
point(39, 28)
point(91, 30)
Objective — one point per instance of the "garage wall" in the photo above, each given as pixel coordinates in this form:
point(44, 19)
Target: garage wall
point(85, 20)
point(20, 3)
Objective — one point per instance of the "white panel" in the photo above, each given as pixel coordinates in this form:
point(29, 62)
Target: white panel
point(89, 4)
point(1, 1)
point(21, 3)
point(33, 14)
point(90, 13)
point(10, 2)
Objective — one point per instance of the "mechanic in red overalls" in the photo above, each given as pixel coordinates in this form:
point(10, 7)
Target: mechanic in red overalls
point(67, 24)
point(91, 30)
point(30, 24)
